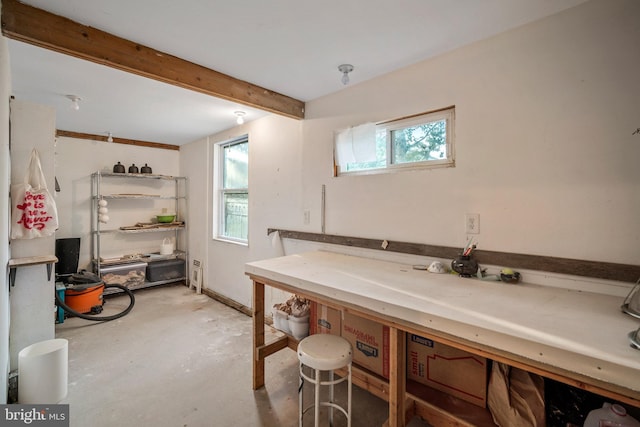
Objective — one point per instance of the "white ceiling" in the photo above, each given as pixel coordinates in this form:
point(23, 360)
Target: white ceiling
point(289, 46)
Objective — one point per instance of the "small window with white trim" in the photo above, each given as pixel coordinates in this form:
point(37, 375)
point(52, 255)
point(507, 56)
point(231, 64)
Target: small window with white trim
point(416, 142)
point(233, 190)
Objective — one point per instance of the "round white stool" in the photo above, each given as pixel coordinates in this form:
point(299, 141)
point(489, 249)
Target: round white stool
point(324, 352)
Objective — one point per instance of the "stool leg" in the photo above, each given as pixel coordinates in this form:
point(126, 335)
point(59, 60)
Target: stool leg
point(349, 397)
point(300, 395)
point(331, 399)
point(317, 399)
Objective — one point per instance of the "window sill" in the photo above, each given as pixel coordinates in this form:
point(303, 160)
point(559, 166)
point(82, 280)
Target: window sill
point(233, 242)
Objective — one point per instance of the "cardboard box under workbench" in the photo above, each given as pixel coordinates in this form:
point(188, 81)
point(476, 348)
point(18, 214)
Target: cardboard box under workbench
point(447, 369)
point(370, 342)
point(436, 365)
point(324, 320)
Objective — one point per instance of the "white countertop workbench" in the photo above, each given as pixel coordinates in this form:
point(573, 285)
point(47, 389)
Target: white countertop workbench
point(568, 333)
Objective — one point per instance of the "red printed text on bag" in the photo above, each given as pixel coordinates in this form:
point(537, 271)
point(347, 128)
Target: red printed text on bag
point(33, 215)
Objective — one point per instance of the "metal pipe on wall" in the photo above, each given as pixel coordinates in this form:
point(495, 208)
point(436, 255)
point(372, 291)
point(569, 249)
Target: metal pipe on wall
point(322, 212)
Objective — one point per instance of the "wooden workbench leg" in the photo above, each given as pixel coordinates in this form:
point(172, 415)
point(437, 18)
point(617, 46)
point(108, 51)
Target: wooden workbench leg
point(258, 334)
point(397, 377)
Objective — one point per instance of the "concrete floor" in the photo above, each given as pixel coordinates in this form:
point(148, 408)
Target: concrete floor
point(181, 359)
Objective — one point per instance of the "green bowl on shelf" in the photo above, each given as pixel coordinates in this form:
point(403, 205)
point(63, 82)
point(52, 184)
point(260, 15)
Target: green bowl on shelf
point(165, 218)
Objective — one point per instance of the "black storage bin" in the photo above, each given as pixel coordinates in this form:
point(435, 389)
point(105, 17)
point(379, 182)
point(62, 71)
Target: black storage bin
point(165, 270)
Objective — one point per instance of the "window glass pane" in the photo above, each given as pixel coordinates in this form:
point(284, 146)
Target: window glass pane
point(235, 208)
point(420, 143)
point(381, 155)
point(233, 190)
point(236, 166)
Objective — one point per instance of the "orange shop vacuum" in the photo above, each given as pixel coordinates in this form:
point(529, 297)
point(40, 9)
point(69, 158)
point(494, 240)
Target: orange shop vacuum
point(80, 294)
point(83, 297)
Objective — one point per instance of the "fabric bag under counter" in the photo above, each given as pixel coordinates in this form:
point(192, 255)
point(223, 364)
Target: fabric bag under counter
point(516, 397)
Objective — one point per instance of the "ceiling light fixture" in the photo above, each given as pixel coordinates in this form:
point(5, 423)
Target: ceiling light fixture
point(75, 101)
point(239, 116)
point(345, 69)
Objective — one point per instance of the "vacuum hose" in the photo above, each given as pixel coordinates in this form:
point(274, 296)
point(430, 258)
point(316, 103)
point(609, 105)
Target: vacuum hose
point(73, 312)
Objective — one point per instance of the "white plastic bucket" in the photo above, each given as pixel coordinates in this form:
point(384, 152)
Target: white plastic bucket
point(280, 320)
point(43, 372)
point(299, 326)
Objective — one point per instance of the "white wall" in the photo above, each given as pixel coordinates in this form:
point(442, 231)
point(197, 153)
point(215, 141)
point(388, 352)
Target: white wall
point(544, 151)
point(76, 160)
point(5, 168)
point(544, 145)
point(194, 162)
point(275, 158)
point(32, 298)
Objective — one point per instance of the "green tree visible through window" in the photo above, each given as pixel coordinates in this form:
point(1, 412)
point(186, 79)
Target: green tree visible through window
point(420, 143)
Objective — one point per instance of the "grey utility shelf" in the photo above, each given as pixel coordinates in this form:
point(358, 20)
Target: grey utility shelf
point(117, 187)
point(143, 230)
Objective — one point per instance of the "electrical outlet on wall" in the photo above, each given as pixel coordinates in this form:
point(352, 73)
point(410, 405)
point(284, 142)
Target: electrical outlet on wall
point(472, 223)
point(307, 217)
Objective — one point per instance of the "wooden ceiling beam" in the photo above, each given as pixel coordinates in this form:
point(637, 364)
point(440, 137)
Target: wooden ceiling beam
point(90, 136)
point(44, 29)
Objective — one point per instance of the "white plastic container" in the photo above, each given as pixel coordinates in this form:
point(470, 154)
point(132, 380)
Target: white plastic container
point(280, 320)
point(610, 416)
point(43, 372)
point(167, 247)
point(299, 326)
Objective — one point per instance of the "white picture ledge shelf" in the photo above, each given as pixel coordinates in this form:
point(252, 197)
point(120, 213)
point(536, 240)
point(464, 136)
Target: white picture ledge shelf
point(14, 263)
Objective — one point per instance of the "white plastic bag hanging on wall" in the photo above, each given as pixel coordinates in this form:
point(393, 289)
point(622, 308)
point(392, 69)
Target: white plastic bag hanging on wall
point(33, 211)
